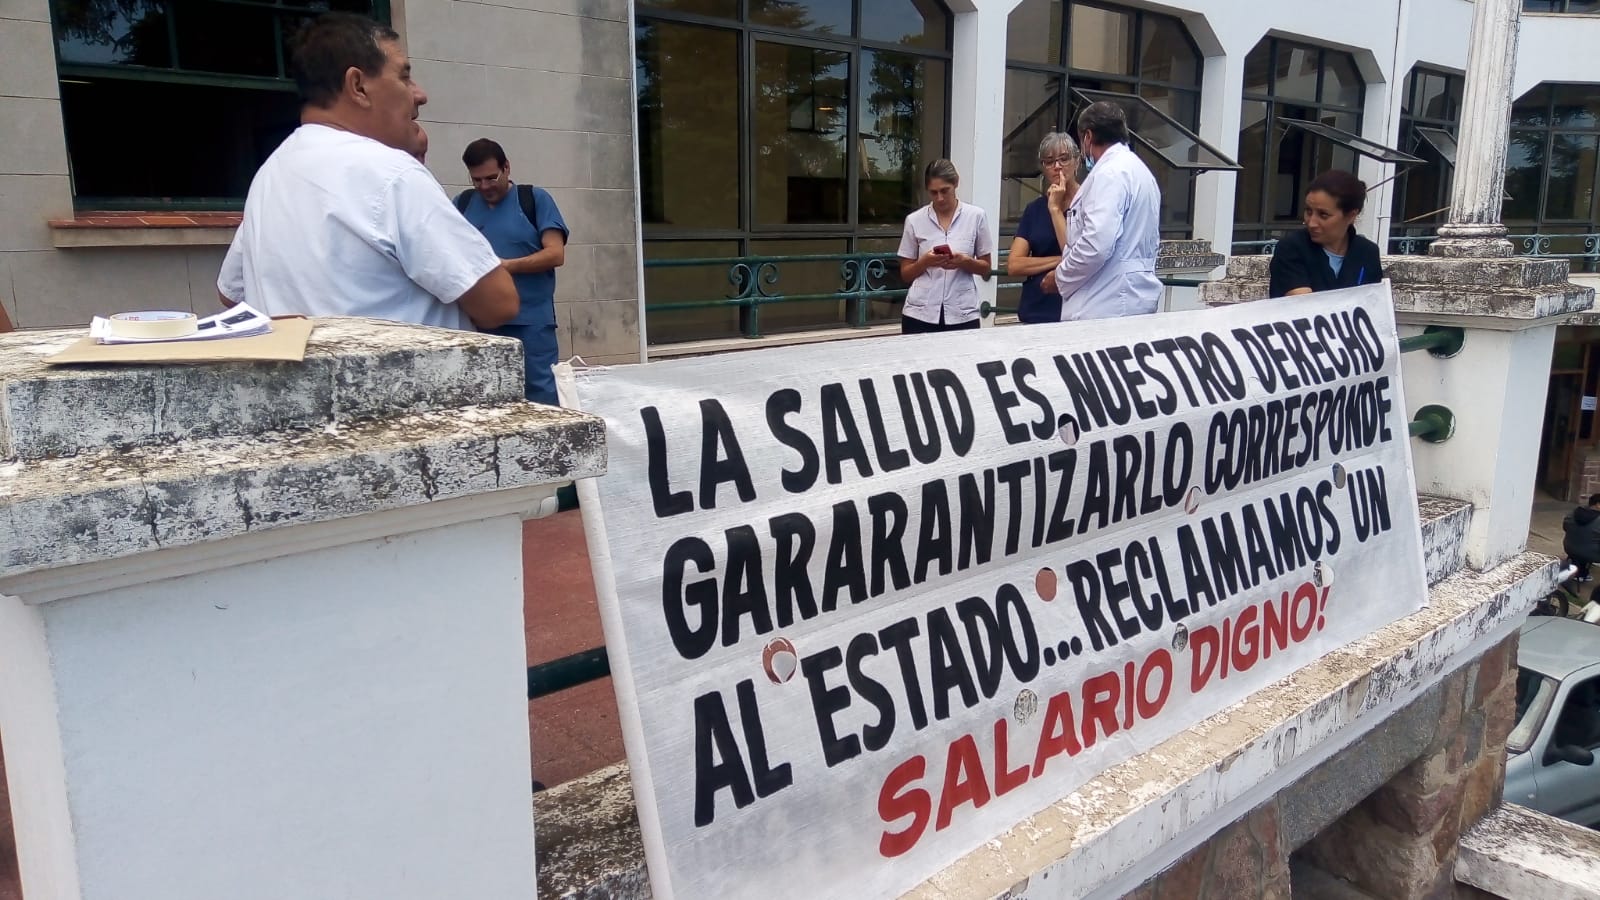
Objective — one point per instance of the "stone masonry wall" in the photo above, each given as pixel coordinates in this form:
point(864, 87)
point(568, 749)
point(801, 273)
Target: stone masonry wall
point(1585, 478)
point(1245, 860)
point(1397, 842)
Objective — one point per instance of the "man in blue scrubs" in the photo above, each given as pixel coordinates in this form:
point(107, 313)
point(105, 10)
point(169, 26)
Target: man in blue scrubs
point(525, 229)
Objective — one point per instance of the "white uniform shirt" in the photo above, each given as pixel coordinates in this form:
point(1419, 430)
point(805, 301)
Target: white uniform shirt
point(337, 224)
point(950, 290)
point(1113, 231)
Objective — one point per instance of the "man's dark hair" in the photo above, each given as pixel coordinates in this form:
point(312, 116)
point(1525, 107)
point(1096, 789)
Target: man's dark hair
point(1106, 121)
point(1346, 190)
point(481, 151)
point(329, 46)
point(1594, 499)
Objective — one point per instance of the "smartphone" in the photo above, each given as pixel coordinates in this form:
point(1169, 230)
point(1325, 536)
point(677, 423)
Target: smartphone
point(942, 250)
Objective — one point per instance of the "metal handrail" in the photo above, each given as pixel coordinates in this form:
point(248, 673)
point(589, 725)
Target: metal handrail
point(568, 671)
point(863, 277)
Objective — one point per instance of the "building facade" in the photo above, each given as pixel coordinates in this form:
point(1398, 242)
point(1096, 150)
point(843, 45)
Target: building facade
point(128, 140)
point(764, 150)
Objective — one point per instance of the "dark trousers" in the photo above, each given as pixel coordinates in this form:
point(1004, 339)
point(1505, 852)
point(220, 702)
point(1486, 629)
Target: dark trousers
point(539, 353)
point(909, 325)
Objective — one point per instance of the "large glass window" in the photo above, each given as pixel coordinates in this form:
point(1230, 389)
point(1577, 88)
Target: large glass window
point(1054, 47)
point(1552, 166)
point(1561, 6)
point(1288, 80)
point(158, 114)
point(781, 128)
point(1430, 113)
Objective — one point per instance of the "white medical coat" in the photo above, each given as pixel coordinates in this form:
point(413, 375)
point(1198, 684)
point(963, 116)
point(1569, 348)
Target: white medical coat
point(1113, 230)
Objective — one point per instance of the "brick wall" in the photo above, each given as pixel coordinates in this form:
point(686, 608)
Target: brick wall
point(1586, 476)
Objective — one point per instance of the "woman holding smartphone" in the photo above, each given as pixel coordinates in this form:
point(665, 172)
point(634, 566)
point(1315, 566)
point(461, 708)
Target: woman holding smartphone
point(1042, 231)
point(944, 247)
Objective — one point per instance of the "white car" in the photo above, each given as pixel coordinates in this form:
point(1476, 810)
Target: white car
point(1550, 762)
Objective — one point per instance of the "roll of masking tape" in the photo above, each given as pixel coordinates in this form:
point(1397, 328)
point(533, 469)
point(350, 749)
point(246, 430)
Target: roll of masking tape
point(153, 325)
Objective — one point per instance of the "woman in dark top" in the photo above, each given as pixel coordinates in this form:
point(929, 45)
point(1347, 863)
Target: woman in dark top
point(1036, 249)
point(1327, 254)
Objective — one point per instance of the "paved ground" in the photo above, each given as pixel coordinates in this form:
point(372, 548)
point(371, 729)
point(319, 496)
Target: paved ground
point(1544, 531)
point(575, 731)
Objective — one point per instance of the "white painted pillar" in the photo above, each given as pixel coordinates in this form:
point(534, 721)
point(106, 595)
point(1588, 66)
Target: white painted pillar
point(1221, 101)
point(1474, 227)
point(275, 647)
point(977, 111)
point(1495, 387)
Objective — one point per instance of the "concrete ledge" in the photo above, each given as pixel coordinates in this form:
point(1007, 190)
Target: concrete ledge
point(116, 503)
point(1519, 288)
point(354, 369)
point(588, 839)
point(1134, 820)
point(208, 236)
point(1515, 852)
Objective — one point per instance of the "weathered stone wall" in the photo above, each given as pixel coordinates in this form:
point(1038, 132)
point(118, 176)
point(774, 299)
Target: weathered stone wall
point(1380, 819)
point(1247, 859)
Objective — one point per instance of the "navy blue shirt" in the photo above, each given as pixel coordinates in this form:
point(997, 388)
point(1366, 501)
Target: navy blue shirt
point(1035, 228)
point(512, 236)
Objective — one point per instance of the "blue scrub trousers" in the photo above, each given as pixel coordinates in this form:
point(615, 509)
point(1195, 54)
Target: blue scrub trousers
point(539, 352)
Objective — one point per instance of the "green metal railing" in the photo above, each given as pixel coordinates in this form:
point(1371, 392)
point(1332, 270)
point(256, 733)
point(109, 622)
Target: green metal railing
point(568, 671)
point(1582, 249)
point(863, 279)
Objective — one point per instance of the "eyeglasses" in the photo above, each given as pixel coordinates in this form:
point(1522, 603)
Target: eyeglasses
point(488, 181)
point(1058, 161)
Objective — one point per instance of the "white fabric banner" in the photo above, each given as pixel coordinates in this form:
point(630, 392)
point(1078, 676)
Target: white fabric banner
point(871, 603)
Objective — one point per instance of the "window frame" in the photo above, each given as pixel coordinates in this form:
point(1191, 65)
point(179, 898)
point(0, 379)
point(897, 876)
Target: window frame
point(1261, 227)
point(748, 228)
point(1415, 126)
point(67, 72)
point(747, 232)
point(1549, 131)
point(1069, 78)
point(1559, 8)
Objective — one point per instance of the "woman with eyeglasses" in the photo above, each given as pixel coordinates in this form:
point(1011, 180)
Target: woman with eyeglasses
point(1042, 231)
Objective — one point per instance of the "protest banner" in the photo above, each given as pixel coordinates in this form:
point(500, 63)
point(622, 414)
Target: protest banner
point(871, 603)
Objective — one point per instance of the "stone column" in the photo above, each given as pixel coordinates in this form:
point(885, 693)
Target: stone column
point(261, 628)
point(1508, 308)
point(1474, 227)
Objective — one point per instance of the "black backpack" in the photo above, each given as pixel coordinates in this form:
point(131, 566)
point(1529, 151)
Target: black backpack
point(526, 198)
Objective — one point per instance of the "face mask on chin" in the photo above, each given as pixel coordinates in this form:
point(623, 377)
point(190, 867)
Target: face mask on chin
point(1088, 163)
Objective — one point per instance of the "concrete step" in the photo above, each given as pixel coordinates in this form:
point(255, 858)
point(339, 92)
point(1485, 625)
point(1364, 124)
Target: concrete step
point(1444, 535)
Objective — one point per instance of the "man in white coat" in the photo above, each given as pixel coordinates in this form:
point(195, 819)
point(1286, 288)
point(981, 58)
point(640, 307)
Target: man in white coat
point(1113, 227)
